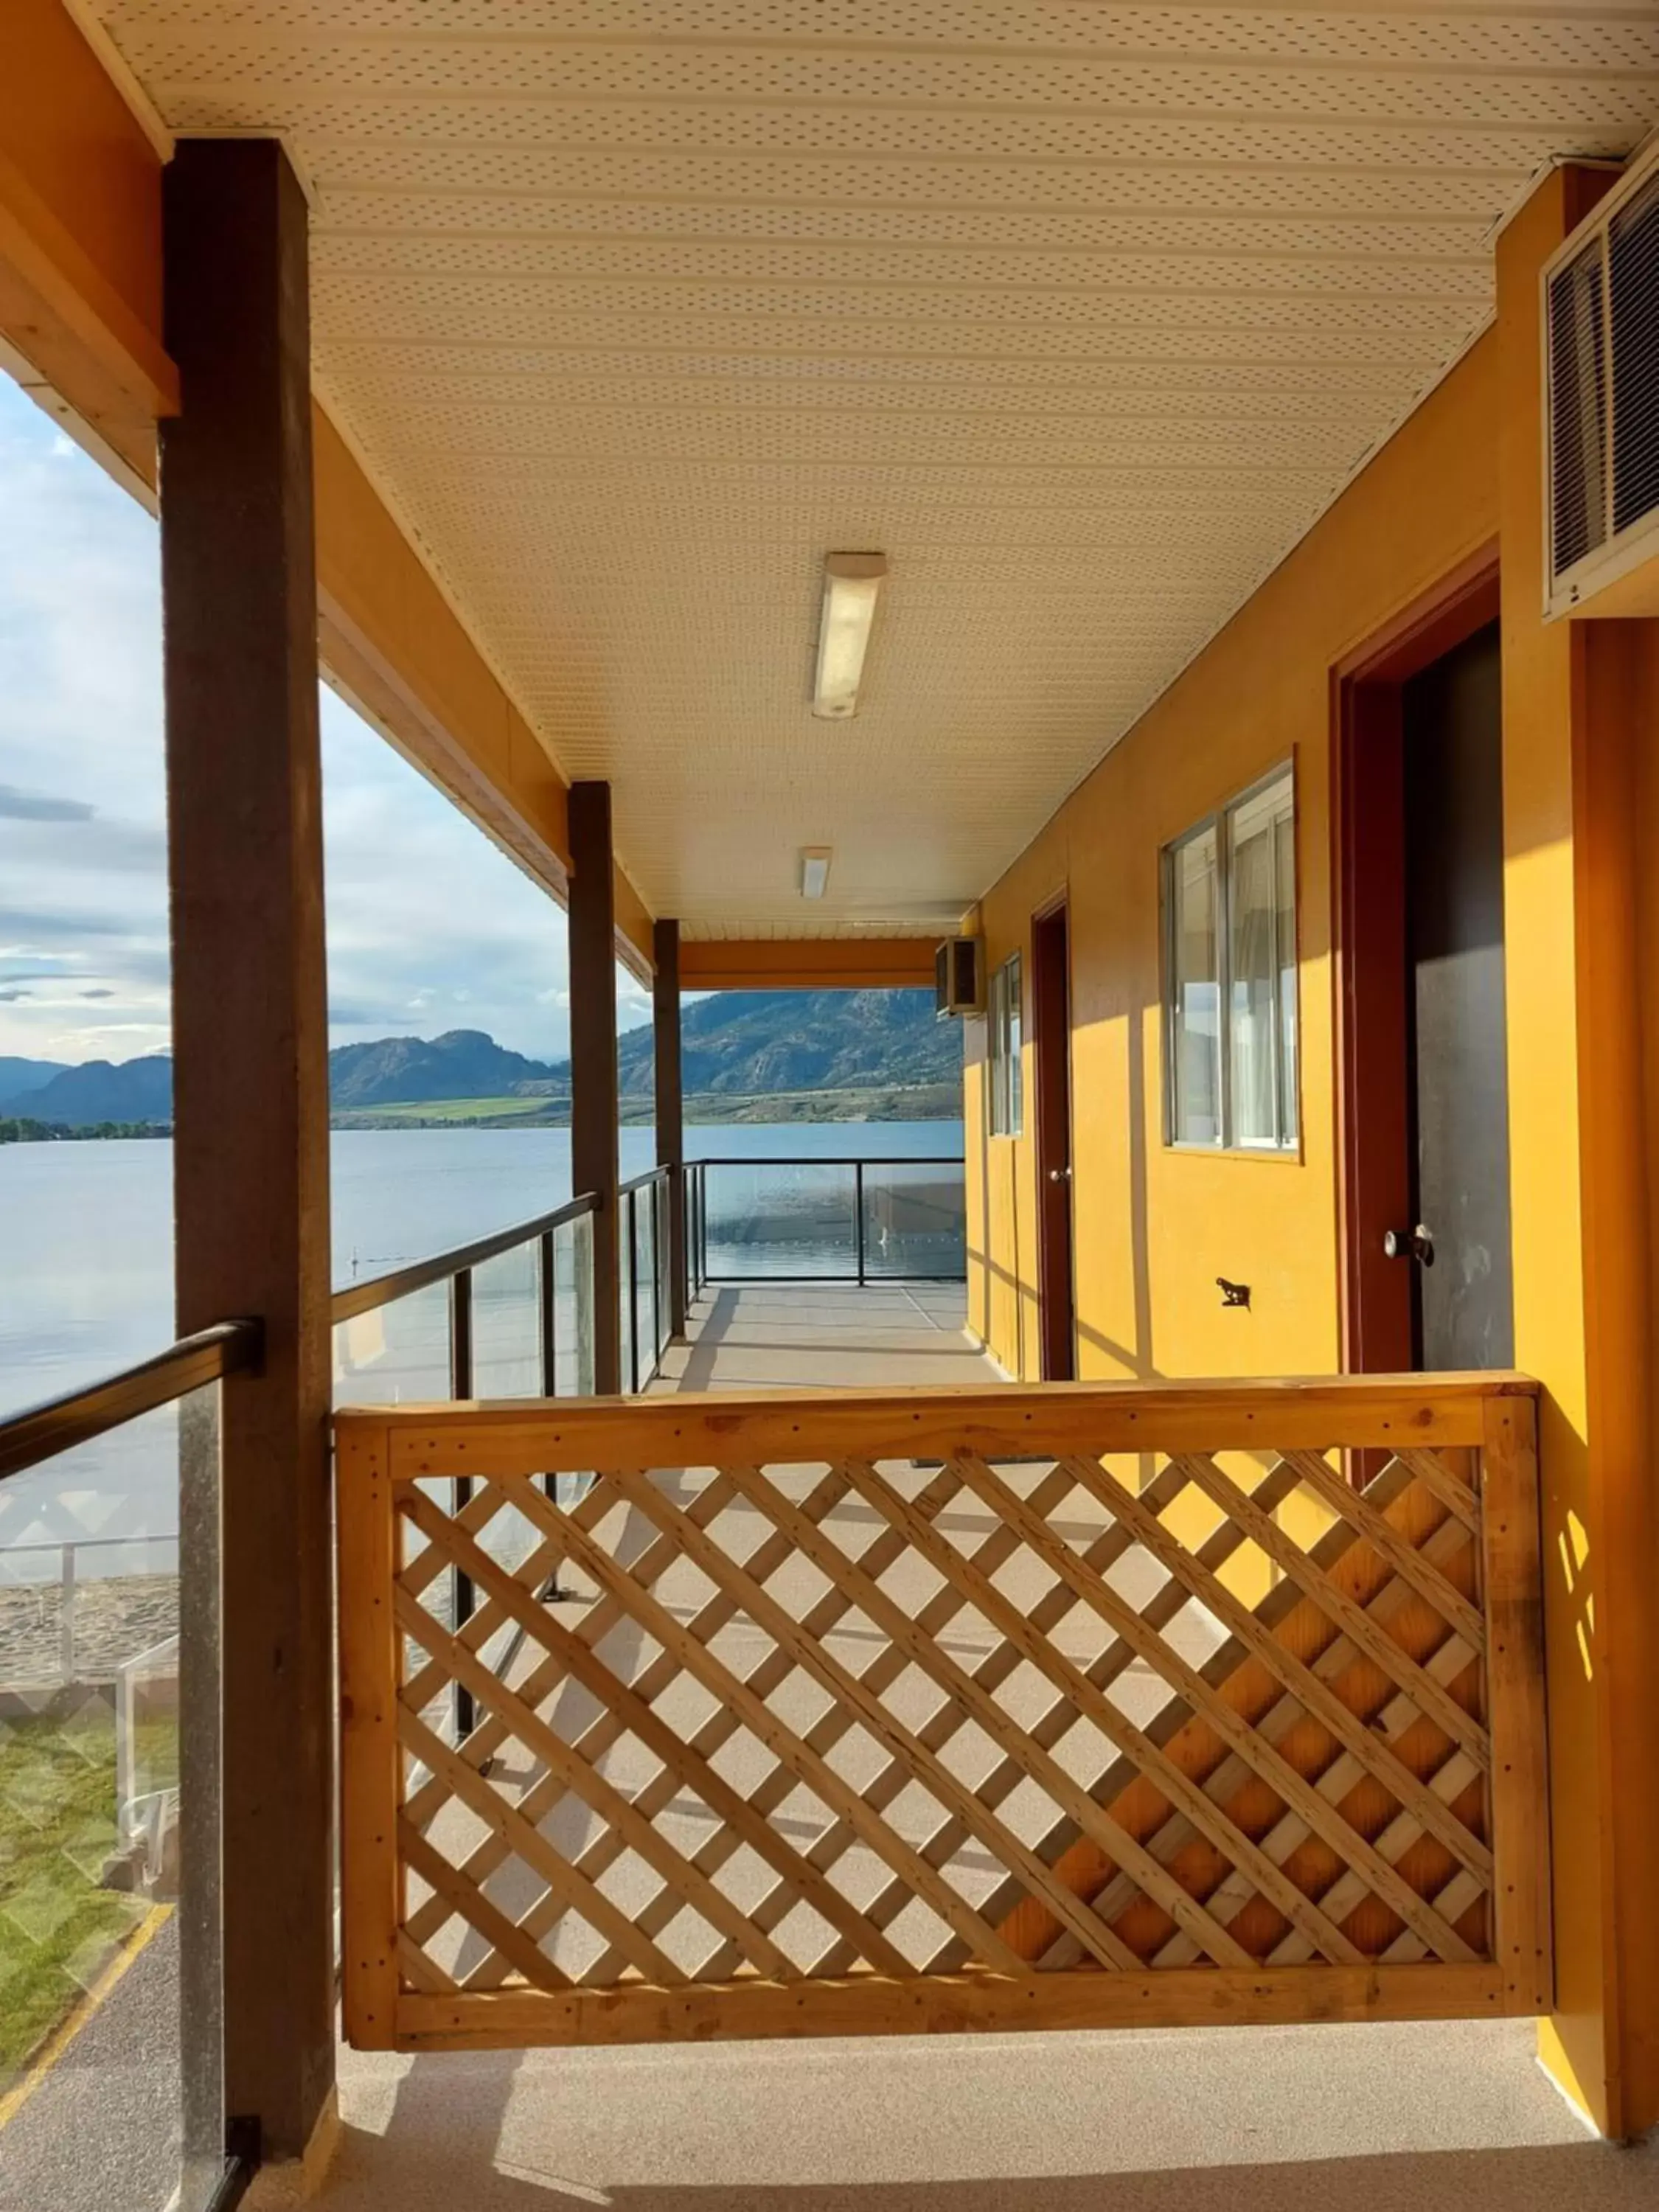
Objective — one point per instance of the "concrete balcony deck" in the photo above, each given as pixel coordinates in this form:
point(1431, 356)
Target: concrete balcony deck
point(818, 1336)
point(1438, 2118)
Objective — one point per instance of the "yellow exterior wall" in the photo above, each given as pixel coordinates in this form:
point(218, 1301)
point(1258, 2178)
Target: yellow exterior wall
point(1153, 1226)
point(1581, 716)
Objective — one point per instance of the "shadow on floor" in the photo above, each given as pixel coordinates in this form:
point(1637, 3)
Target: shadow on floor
point(431, 2159)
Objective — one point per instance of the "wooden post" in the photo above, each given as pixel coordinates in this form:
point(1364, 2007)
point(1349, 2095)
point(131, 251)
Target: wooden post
point(251, 1075)
point(670, 1109)
point(593, 1060)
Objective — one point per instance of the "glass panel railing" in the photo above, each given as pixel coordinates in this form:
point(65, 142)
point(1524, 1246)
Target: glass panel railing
point(396, 1352)
point(642, 1257)
point(572, 1307)
point(507, 1325)
point(845, 1221)
point(111, 2077)
point(691, 1196)
point(508, 1318)
point(645, 1283)
point(780, 1220)
point(914, 1220)
point(664, 1196)
point(628, 1309)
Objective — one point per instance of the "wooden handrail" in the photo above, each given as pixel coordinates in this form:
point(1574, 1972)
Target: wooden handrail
point(41, 1432)
point(1357, 1411)
point(421, 1274)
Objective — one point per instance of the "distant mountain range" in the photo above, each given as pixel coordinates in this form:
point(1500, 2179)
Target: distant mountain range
point(99, 1091)
point(738, 1049)
point(18, 1077)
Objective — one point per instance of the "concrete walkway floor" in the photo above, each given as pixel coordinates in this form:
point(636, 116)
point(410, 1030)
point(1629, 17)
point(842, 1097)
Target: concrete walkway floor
point(1447, 2118)
point(810, 1336)
point(1442, 2117)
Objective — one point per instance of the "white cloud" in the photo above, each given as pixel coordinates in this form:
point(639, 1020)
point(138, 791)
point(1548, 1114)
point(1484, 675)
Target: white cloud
point(430, 927)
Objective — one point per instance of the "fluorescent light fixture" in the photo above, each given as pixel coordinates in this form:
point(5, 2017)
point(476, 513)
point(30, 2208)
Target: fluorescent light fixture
point(850, 582)
point(814, 870)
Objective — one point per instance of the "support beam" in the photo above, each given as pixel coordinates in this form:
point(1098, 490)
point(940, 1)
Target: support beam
point(80, 240)
point(251, 1077)
point(808, 964)
point(593, 1165)
point(82, 160)
point(670, 1107)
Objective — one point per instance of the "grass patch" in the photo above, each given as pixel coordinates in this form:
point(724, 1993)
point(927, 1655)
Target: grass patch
point(427, 1110)
point(57, 1928)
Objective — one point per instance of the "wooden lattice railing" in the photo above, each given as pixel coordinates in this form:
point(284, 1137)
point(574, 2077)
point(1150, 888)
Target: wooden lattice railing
point(934, 1710)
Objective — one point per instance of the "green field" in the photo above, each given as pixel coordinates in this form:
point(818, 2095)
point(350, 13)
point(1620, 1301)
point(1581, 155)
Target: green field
point(926, 1102)
point(58, 1930)
point(428, 1112)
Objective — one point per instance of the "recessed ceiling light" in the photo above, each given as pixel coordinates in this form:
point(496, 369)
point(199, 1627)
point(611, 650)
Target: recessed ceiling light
point(814, 870)
point(850, 582)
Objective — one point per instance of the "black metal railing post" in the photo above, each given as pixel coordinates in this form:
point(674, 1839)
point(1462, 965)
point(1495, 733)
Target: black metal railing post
point(858, 1212)
point(460, 1386)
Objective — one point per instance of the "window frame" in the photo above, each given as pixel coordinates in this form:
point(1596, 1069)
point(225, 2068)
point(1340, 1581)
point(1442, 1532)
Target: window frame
point(1219, 822)
point(1005, 1041)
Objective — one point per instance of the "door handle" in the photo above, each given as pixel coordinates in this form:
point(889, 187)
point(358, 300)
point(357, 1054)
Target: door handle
point(1410, 1244)
point(1060, 1174)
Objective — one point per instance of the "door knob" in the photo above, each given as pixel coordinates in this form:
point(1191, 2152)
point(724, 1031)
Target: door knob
point(1410, 1244)
point(1060, 1174)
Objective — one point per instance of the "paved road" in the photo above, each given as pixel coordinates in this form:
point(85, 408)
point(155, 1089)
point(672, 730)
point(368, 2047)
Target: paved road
point(101, 2133)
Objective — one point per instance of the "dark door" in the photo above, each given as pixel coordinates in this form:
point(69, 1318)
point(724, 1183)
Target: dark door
point(1051, 1013)
point(1458, 1095)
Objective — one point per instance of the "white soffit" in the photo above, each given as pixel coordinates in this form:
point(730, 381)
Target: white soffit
point(1079, 313)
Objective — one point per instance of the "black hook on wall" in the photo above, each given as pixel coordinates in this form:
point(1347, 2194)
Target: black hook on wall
point(1233, 1294)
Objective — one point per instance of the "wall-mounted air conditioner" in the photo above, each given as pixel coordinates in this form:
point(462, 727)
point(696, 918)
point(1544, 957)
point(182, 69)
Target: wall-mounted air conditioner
point(959, 977)
point(1601, 379)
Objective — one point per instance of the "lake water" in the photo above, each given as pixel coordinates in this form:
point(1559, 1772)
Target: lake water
point(86, 1277)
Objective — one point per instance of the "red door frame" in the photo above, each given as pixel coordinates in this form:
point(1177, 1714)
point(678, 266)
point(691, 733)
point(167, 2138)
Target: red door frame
point(1368, 922)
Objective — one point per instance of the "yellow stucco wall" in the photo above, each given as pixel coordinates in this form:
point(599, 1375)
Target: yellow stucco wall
point(1153, 1226)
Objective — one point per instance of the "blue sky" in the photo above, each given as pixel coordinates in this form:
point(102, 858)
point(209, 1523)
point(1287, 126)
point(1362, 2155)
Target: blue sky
point(430, 927)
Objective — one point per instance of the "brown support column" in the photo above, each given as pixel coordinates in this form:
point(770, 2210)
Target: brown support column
point(593, 1060)
point(251, 1075)
point(671, 1109)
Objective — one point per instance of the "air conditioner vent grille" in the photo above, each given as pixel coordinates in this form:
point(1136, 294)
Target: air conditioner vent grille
point(1633, 287)
point(1578, 409)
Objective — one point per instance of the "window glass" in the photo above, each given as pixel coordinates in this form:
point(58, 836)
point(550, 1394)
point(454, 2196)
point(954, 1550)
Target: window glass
point(1254, 978)
point(1007, 1085)
point(1285, 837)
point(1194, 1031)
point(1015, 1051)
point(995, 1047)
point(1230, 1007)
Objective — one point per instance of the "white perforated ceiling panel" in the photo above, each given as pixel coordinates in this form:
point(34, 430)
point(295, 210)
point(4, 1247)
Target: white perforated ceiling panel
point(1079, 313)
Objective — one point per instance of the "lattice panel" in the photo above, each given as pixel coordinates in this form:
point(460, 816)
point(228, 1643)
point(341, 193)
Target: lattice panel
point(871, 1719)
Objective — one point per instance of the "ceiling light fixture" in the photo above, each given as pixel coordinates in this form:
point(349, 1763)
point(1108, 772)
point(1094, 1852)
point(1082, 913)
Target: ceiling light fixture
point(850, 582)
point(814, 870)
